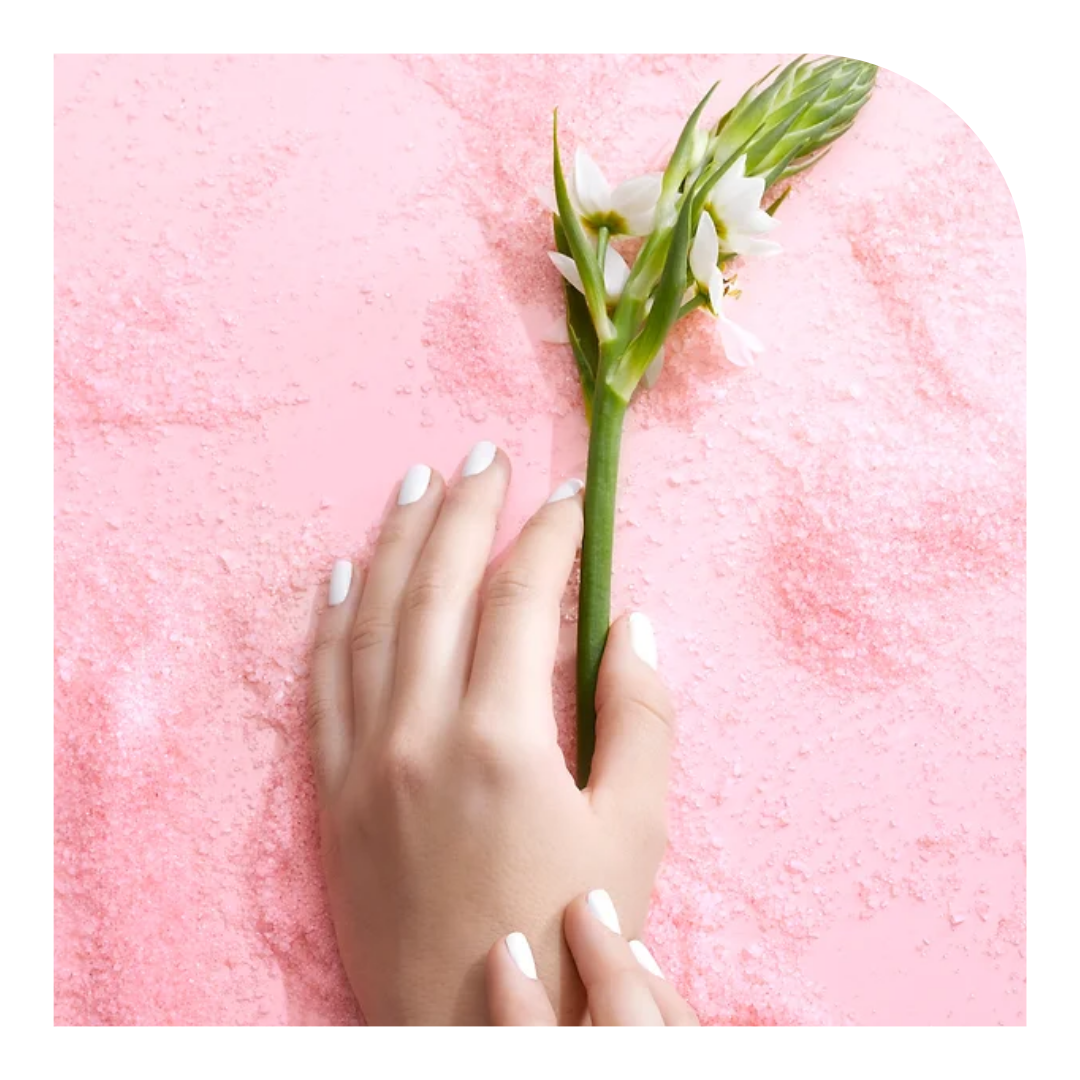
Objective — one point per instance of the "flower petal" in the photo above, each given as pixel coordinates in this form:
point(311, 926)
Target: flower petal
point(764, 248)
point(640, 224)
point(704, 251)
point(616, 273)
point(740, 345)
point(739, 243)
point(546, 196)
point(638, 196)
point(740, 207)
point(733, 177)
point(760, 222)
point(568, 268)
point(736, 195)
point(652, 372)
point(716, 293)
point(593, 191)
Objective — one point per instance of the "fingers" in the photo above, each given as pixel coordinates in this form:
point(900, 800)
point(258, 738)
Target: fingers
point(622, 980)
point(675, 1011)
point(618, 987)
point(520, 613)
point(437, 630)
point(402, 537)
point(330, 696)
point(634, 726)
point(516, 997)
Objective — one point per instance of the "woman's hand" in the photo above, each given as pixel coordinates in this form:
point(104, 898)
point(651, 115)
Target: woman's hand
point(448, 815)
point(623, 982)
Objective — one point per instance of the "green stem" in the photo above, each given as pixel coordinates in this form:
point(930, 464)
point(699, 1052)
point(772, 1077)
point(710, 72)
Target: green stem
point(594, 605)
point(692, 305)
point(601, 251)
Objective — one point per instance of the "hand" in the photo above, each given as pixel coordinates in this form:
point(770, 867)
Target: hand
point(447, 813)
point(623, 982)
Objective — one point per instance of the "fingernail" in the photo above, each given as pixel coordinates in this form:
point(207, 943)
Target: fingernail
point(480, 457)
point(566, 490)
point(642, 638)
point(517, 946)
point(340, 580)
point(645, 958)
point(414, 484)
point(599, 903)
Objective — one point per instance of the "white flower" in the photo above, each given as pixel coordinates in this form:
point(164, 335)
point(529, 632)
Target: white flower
point(704, 256)
point(735, 206)
point(628, 210)
point(616, 272)
point(740, 345)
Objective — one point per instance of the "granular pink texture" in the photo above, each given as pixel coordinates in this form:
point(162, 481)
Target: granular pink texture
point(279, 281)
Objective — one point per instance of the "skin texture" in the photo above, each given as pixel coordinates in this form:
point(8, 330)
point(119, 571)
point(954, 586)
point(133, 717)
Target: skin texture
point(448, 817)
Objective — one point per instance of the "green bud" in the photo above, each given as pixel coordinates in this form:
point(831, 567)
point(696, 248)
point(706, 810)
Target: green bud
point(686, 150)
point(786, 125)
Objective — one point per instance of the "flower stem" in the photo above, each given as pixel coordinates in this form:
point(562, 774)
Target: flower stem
point(594, 605)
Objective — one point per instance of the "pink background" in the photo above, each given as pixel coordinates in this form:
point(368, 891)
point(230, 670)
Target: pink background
point(280, 281)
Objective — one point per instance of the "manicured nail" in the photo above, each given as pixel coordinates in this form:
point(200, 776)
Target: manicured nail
point(599, 903)
point(518, 947)
point(566, 490)
point(340, 580)
point(480, 457)
point(645, 958)
point(414, 484)
point(642, 638)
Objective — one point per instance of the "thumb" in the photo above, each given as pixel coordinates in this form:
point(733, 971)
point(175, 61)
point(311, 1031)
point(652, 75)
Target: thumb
point(634, 725)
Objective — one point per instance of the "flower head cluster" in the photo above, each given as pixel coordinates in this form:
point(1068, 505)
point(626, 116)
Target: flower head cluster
point(704, 211)
point(731, 225)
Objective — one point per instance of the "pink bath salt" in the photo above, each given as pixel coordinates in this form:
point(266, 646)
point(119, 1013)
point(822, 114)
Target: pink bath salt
point(280, 281)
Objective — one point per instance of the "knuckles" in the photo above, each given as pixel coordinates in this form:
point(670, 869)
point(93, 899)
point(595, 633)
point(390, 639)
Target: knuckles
point(371, 630)
point(402, 771)
point(509, 587)
point(425, 591)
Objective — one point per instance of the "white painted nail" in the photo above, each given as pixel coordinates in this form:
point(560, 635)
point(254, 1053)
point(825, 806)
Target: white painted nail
point(480, 457)
point(645, 958)
point(601, 906)
point(517, 946)
point(414, 484)
point(340, 580)
point(642, 638)
point(566, 490)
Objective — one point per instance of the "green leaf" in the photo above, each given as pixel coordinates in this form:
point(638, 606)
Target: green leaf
point(667, 303)
point(760, 148)
point(771, 210)
point(802, 166)
point(579, 326)
point(588, 382)
point(679, 164)
point(580, 249)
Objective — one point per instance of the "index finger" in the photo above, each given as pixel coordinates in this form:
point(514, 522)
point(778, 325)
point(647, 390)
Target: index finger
point(616, 983)
point(520, 615)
